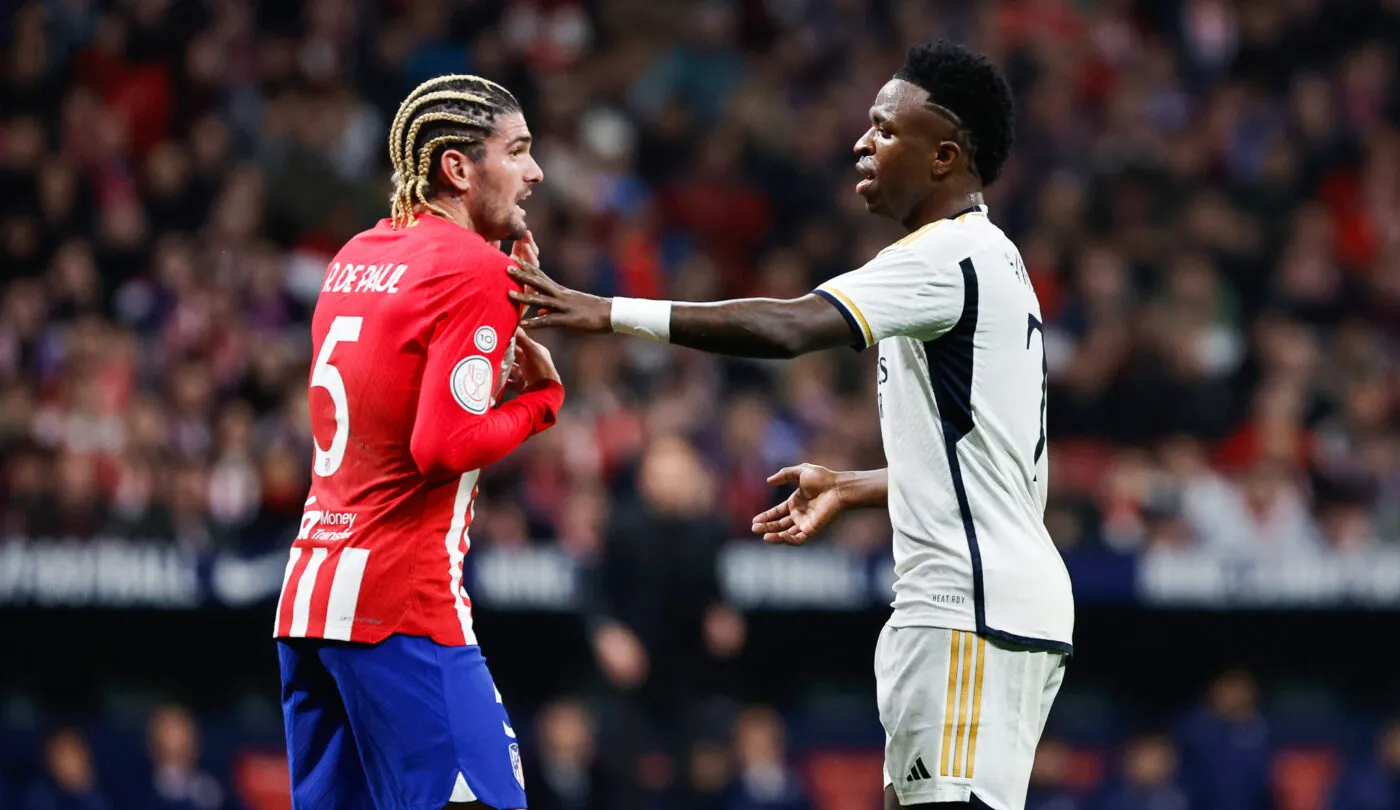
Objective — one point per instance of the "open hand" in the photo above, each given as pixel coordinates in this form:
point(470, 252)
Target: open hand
point(808, 510)
point(558, 305)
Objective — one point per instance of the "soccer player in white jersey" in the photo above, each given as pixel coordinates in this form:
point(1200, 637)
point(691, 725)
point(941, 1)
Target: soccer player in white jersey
point(974, 652)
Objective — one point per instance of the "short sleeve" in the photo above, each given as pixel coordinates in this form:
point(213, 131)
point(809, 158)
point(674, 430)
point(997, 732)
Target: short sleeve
point(902, 291)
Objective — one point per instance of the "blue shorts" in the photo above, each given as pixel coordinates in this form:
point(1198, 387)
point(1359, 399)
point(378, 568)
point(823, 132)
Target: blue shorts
point(405, 724)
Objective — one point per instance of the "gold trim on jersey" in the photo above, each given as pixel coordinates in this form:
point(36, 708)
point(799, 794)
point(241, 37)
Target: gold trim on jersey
point(914, 237)
point(964, 695)
point(924, 231)
point(855, 310)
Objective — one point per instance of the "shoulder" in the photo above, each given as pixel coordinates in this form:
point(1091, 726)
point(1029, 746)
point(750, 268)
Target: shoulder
point(949, 241)
point(459, 262)
point(456, 252)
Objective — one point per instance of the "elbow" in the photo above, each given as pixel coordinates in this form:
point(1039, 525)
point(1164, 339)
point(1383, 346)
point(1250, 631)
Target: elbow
point(438, 458)
point(791, 341)
point(425, 457)
point(432, 457)
point(795, 332)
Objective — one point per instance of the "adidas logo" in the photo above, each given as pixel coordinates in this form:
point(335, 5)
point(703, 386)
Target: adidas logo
point(918, 772)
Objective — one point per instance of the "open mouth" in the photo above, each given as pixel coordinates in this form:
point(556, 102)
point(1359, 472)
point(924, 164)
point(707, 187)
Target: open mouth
point(867, 173)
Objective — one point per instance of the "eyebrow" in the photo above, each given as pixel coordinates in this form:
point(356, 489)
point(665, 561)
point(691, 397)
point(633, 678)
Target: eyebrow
point(519, 139)
point(878, 116)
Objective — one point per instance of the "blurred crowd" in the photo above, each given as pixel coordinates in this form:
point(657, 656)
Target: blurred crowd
point(1237, 749)
point(1206, 192)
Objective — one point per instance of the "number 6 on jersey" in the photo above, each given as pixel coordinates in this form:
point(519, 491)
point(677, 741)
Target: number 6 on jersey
point(344, 329)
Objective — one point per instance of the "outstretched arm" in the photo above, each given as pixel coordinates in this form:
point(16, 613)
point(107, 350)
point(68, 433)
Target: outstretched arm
point(759, 327)
point(748, 327)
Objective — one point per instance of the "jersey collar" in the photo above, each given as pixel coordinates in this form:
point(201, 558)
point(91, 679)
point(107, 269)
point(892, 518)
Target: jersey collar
point(976, 209)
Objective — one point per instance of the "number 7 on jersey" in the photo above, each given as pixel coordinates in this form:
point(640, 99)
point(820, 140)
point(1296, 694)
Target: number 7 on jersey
point(344, 329)
point(1034, 325)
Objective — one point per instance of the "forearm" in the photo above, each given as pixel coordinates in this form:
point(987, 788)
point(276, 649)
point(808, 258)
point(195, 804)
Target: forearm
point(747, 327)
point(483, 440)
point(866, 488)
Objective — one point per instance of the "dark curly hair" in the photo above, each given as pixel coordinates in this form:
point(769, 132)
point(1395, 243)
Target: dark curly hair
point(967, 85)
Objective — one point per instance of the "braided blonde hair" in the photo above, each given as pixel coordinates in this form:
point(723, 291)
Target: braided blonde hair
point(452, 109)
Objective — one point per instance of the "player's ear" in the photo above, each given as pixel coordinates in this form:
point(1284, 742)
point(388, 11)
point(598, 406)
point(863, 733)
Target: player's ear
point(945, 157)
point(457, 169)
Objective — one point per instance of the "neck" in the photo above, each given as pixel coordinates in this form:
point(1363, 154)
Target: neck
point(943, 206)
point(449, 209)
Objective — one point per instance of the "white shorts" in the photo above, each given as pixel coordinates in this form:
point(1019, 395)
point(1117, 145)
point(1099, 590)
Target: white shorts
point(962, 714)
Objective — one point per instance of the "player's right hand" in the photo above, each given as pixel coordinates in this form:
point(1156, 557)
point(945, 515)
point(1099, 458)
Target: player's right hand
point(557, 305)
point(534, 361)
point(809, 509)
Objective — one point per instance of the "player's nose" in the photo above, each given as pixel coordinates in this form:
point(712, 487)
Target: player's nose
point(533, 172)
point(866, 144)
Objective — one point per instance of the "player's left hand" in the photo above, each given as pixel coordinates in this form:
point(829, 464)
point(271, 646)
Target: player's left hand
point(513, 386)
point(535, 362)
point(808, 510)
point(558, 305)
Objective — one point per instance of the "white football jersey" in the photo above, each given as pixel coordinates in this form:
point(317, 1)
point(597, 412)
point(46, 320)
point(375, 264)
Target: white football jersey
point(962, 386)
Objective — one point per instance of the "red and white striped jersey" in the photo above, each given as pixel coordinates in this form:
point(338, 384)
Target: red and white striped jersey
point(413, 338)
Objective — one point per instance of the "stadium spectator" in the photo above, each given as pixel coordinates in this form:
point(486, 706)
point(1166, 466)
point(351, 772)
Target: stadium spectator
point(1149, 779)
point(764, 779)
point(177, 782)
point(1225, 747)
point(1265, 508)
point(1372, 783)
point(662, 631)
point(69, 781)
point(1050, 788)
point(567, 771)
point(711, 770)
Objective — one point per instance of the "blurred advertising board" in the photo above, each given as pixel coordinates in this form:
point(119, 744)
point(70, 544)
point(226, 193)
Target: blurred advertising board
point(114, 573)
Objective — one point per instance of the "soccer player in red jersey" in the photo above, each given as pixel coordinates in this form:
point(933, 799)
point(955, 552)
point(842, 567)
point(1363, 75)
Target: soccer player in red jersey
point(387, 700)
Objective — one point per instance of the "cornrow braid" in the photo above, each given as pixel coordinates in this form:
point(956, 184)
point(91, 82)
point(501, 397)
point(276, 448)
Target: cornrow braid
point(396, 131)
point(453, 109)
